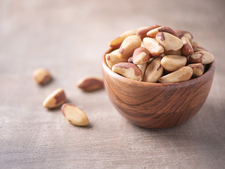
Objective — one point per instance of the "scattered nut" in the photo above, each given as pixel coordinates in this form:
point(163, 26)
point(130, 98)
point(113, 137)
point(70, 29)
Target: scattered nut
point(198, 69)
point(42, 76)
point(203, 57)
point(113, 58)
point(74, 115)
point(89, 84)
point(183, 74)
point(169, 41)
point(155, 48)
point(128, 70)
point(118, 41)
point(187, 47)
point(140, 56)
point(152, 33)
point(153, 71)
point(55, 99)
point(128, 46)
point(173, 62)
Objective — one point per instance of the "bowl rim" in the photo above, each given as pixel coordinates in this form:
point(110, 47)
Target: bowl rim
point(210, 70)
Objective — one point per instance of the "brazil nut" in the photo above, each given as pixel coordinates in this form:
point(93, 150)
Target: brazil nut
point(173, 62)
point(129, 70)
point(203, 57)
point(152, 33)
point(155, 48)
point(187, 47)
point(118, 41)
point(154, 71)
point(182, 74)
point(128, 46)
point(169, 41)
point(141, 55)
point(198, 69)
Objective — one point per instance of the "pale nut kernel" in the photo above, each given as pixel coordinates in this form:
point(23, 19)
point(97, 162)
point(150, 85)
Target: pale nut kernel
point(173, 62)
point(152, 33)
point(155, 48)
point(198, 69)
point(198, 48)
point(42, 76)
point(187, 47)
point(181, 33)
point(128, 70)
point(128, 46)
point(142, 32)
point(172, 52)
point(140, 56)
point(169, 41)
point(118, 41)
point(154, 71)
point(89, 84)
point(203, 57)
point(74, 115)
point(194, 44)
point(142, 67)
point(55, 99)
point(182, 74)
point(113, 58)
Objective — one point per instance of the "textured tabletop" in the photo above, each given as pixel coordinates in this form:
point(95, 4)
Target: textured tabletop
point(69, 38)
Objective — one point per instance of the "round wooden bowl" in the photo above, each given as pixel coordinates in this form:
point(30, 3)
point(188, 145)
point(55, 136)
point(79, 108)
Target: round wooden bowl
point(157, 105)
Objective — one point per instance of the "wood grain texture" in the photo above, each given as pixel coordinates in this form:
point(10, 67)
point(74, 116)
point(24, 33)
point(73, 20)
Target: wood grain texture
point(157, 105)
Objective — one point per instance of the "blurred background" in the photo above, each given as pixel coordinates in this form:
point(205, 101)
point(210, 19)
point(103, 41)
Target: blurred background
point(69, 37)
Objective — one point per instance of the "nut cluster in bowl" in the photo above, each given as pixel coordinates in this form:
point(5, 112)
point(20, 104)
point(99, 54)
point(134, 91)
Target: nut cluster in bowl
point(157, 54)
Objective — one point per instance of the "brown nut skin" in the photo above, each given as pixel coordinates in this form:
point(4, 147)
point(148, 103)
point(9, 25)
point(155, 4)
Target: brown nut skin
point(182, 74)
point(155, 48)
point(172, 52)
point(89, 84)
point(154, 71)
point(128, 46)
point(114, 44)
point(55, 99)
point(140, 56)
point(198, 69)
point(187, 47)
point(152, 33)
point(113, 58)
point(169, 41)
point(173, 62)
point(203, 57)
point(142, 32)
point(128, 70)
point(42, 76)
point(198, 48)
point(181, 33)
point(74, 115)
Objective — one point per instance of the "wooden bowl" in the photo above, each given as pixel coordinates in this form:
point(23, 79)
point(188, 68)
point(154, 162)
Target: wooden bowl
point(157, 105)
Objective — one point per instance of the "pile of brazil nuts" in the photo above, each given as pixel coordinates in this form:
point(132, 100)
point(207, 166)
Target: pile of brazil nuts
point(157, 54)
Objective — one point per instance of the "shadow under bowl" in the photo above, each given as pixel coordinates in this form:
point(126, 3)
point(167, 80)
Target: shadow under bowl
point(157, 105)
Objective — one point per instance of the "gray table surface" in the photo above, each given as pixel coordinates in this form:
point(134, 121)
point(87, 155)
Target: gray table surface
point(69, 38)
